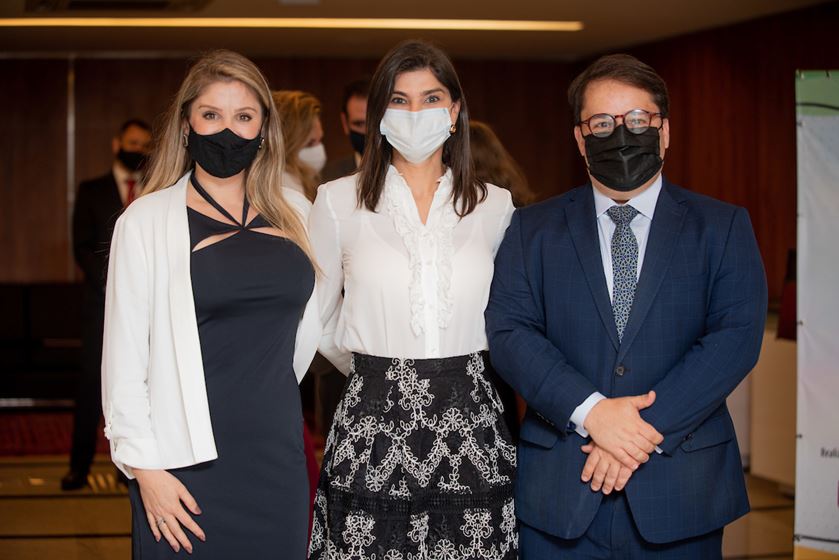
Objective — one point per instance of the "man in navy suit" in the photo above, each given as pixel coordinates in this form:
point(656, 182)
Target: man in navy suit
point(624, 312)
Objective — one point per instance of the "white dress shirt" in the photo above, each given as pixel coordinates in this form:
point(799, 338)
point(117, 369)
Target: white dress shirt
point(410, 290)
point(645, 204)
point(122, 176)
point(293, 183)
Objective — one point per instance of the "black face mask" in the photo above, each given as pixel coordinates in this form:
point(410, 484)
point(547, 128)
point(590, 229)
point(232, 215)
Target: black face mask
point(223, 154)
point(357, 140)
point(133, 161)
point(624, 161)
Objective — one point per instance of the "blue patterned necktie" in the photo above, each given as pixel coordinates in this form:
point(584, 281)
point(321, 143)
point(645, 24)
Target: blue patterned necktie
point(624, 264)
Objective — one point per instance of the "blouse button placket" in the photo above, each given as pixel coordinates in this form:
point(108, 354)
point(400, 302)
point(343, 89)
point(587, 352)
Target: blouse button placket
point(428, 253)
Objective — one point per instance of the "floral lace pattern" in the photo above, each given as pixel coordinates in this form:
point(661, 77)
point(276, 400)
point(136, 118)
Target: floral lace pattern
point(418, 465)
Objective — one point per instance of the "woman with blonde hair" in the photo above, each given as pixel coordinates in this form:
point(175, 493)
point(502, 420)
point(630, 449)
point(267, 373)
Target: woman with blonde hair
point(210, 312)
point(305, 155)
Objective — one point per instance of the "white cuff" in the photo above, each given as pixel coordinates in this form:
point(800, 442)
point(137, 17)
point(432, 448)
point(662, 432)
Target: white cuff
point(578, 417)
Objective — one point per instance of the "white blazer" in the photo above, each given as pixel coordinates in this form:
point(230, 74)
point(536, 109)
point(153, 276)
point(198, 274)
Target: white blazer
point(153, 392)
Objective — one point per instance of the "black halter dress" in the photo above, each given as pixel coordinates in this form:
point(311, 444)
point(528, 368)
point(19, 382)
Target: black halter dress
point(250, 291)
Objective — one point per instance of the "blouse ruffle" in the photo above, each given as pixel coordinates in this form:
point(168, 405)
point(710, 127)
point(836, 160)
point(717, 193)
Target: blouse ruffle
point(442, 219)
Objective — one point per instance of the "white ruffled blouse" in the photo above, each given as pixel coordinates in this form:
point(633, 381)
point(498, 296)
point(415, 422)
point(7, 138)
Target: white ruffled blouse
point(409, 290)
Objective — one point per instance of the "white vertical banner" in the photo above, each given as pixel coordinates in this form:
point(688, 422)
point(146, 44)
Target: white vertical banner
point(817, 450)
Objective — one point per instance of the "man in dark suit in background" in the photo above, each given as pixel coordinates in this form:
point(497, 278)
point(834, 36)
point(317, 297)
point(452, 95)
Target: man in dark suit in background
point(354, 123)
point(624, 312)
point(98, 204)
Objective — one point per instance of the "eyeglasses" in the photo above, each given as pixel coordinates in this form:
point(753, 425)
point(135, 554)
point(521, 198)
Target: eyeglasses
point(636, 121)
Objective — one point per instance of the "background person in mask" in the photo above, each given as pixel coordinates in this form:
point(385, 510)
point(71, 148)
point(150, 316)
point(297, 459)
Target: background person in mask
point(419, 461)
point(98, 204)
point(624, 312)
point(305, 155)
point(354, 125)
point(210, 321)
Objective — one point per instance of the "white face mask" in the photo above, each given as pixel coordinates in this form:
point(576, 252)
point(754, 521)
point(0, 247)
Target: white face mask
point(416, 134)
point(313, 156)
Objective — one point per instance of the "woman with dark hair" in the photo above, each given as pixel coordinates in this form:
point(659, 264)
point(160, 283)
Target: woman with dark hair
point(419, 462)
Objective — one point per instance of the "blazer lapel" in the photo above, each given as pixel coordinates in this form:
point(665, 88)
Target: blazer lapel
point(184, 321)
point(582, 224)
point(664, 232)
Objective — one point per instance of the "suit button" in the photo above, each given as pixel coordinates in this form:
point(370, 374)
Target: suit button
point(620, 370)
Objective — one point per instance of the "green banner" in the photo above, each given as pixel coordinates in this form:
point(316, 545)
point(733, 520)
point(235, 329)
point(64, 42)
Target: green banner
point(817, 92)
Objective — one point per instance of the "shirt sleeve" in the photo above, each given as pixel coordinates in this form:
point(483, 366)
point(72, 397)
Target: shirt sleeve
point(578, 417)
point(324, 234)
point(125, 353)
point(308, 336)
point(309, 329)
point(506, 217)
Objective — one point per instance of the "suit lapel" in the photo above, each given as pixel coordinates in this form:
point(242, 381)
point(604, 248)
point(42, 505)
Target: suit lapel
point(664, 232)
point(180, 281)
point(114, 200)
point(582, 223)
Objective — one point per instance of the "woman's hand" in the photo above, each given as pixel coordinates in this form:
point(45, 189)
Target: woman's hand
point(164, 498)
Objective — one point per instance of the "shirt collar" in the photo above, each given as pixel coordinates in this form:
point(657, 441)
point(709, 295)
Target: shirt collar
point(121, 175)
point(644, 202)
point(444, 187)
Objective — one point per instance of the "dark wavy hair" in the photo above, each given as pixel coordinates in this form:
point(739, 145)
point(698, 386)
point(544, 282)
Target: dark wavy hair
point(622, 68)
point(408, 56)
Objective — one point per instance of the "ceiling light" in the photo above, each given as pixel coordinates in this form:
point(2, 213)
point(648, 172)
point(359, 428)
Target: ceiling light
point(304, 23)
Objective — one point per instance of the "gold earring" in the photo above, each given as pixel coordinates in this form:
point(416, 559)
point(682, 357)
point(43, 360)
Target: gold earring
point(185, 141)
point(453, 128)
point(261, 142)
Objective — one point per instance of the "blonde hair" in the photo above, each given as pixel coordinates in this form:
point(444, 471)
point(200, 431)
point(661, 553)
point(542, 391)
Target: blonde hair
point(494, 164)
point(298, 111)
point(263, 179)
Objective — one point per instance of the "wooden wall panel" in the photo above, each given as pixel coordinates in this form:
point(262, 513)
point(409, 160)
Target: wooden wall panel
point(111, 91)
point(525, 103)
point(33, 173)
point(733, 116)
point(732, 124)
point(525, 107)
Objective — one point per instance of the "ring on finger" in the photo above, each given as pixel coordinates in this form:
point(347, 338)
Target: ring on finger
point(161, 522)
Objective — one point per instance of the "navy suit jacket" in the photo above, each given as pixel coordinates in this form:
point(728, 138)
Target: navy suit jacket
point(694, 332)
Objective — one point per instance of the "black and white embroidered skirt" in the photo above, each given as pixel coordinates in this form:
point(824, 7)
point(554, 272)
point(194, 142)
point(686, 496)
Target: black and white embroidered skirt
point(418, 464)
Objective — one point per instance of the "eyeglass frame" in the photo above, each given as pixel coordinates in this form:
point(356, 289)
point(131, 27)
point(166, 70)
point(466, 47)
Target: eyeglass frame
point(622, 118)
